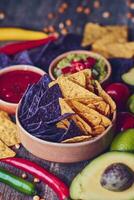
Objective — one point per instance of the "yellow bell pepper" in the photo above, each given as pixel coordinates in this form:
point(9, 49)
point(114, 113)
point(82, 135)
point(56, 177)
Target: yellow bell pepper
point(8, 33)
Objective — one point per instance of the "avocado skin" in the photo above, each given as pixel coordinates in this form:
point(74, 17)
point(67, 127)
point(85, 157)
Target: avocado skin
point(129, 77)
point(86, 185)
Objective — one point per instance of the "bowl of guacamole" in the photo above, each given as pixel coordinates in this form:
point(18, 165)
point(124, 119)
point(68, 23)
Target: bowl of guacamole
point(75, 61)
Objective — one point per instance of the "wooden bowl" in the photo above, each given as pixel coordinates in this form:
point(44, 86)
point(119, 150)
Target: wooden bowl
point(66, 153)
point(11, 107)
point(90, 54)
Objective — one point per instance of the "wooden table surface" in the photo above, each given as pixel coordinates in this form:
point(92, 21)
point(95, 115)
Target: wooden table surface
point(33, 14)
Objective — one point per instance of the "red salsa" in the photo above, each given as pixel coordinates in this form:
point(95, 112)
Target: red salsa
point(14, 83)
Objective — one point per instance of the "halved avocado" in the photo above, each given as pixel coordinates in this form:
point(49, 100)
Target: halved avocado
point(86, 185)
point(129, 77)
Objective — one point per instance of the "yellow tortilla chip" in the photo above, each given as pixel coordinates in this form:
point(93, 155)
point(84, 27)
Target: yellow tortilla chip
point(78, 139)
point(78, 78)
point(88, 100)
point(93, 117)
point(65, 108)
point(102, 107)
point(9, 133)
point(92, 32)
point(4, 115)
point(105, 96)
point(118, 36)
point(116, 50)
point(5, 151)
point(97, 130)
point(82, 124)
point(72, 90)
point(63, 124)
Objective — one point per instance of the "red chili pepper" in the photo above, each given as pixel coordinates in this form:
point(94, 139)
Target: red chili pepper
point(42, 174)
point(11, 49)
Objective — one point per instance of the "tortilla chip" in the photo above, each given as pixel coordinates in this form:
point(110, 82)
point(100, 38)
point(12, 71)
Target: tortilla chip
point(78, 139)
point(78, 78)
point(84, 126)
point(97, 130)
point(92, 116)
point(118, 28)
point(88, 100)
point(5, 151)
point(102, 107)
point(4, 115)
point(116, 50)
point(63, 124)
point(65, 108)
point(72, 90)
point(9, 133)
point(118, 36)
point(105, 96)
point(92, 32)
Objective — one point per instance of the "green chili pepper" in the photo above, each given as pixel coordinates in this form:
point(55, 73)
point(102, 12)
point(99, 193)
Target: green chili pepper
point(131, 103)
point(17, 183)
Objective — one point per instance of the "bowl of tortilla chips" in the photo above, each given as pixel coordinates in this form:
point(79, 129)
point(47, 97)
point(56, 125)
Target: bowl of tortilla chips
point(74, 61)
point(66, 120)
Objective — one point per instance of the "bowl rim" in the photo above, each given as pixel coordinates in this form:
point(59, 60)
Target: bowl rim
point(90, 53)
point(24, 67)
point(62, 144)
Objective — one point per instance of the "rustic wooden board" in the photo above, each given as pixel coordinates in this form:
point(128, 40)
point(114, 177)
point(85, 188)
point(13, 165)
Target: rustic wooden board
point(33, 14)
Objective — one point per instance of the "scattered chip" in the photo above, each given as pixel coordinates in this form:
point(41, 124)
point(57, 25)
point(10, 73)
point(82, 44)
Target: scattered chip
point(5, 151)
point(116, 50)
point(9, 133)
point(94, 32)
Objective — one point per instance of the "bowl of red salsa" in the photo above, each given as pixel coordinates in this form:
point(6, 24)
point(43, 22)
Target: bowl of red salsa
point(74, 61)
point(14, 81)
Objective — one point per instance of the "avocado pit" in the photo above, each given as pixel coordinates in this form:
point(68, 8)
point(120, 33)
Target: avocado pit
point(117, 177)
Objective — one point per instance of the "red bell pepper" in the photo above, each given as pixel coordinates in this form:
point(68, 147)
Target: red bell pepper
point(42, 174)
point(11, 49)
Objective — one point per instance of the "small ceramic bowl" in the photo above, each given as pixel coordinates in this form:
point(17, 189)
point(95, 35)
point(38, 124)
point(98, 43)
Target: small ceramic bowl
point(90, 54)
point(65, 153)
point(11, 107)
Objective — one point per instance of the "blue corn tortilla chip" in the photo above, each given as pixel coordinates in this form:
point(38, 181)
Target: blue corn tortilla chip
point(42, 127)
point(22, 58)
point(51, 113)
point(30, 99)
point(33, 126)
point(51, 94)
point(26, 101)
point(72, 131)
point(53, 135)
point(24, 104)
point(4, 60)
